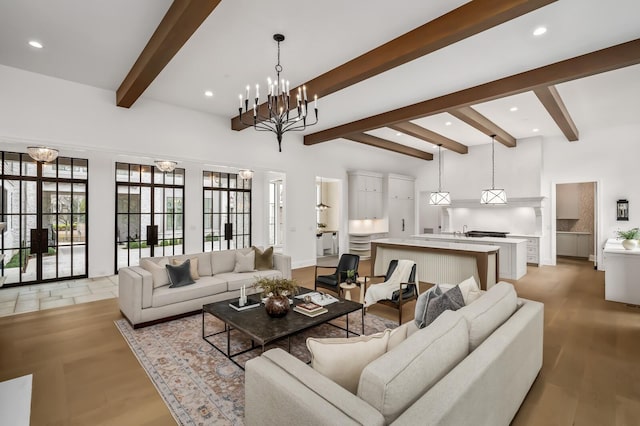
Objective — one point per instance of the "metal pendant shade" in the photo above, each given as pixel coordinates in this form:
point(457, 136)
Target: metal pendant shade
point(321, 205)
point(440, 198)
point(493, 195)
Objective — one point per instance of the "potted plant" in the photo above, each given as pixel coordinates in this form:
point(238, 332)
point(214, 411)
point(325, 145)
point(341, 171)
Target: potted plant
point(629, 238)
point(277, 292)
point(351, 276)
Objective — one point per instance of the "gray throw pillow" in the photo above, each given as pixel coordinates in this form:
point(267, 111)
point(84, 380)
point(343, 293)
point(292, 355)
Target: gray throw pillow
point(180, 275)
point(422, 303)
point(451, 300)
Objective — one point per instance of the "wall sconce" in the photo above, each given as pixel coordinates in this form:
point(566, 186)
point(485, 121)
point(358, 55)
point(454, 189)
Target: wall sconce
point(622, 209)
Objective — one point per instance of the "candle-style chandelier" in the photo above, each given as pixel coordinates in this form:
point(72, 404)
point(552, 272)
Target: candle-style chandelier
point(281, 113)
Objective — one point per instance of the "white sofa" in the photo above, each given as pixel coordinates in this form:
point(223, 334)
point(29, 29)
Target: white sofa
point(144, 302)
point(473, 366)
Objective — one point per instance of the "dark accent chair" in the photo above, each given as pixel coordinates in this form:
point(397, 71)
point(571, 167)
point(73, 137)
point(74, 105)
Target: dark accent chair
point(332, 282)
point(400, 296)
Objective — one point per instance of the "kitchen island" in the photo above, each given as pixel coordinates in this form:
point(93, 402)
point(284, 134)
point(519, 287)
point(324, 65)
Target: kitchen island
point(622, 268)
point(513, 251)
point(439, 261)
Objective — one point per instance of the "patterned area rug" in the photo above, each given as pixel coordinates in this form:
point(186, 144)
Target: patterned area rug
point(199, 384)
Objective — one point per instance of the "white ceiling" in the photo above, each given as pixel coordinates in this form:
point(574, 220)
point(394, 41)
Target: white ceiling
point(96, 43)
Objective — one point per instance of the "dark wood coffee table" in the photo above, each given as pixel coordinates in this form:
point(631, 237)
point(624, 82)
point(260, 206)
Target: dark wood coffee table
point(262, 329)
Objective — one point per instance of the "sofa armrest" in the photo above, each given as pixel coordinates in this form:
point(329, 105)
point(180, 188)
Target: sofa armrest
point(282, 263)
point(282, 390)
point(147, 285)
point(130, 294)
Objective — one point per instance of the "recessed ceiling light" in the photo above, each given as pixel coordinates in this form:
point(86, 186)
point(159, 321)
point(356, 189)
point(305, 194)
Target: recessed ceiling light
point(448, 123)
point(513, 109)
point(536, 130)
point(539, 31)
point(398, 134)
point(208, 93)
point(35, 44)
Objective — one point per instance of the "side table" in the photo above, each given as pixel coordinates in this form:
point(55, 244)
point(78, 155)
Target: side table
point(347, 289)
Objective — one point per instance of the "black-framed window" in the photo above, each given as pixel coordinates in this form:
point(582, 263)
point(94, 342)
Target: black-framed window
point(45, 207)
point(226, 211)
point(149, 213)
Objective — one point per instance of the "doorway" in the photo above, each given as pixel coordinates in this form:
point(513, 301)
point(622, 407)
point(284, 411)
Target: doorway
point(327, 198)
point(226, 211)
point(44, 206)
point(576, 221)
point(149, 213)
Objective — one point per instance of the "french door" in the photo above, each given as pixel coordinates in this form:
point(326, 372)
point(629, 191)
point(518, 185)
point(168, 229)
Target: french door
point(226, 211)
point(149, 213)
point(44, 208)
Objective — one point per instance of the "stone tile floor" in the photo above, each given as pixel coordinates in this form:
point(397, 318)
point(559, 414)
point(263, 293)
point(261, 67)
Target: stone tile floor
point(16, 300)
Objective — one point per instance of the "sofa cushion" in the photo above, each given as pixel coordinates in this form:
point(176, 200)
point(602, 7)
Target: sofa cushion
point(395, 380)
point(342, 359)
point(450, 300)
point(222, 261)
point(489, 312)
point(235, 280)
point(204, 262)
point(158, 270)
point(193, 268)
point(264, 259)
point(245, 262)
point(205, 286)
point(180, 275)
point(398, 335)
point(470, 290)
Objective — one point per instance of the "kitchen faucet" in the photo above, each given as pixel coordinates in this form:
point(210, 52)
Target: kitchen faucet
point(464, 229)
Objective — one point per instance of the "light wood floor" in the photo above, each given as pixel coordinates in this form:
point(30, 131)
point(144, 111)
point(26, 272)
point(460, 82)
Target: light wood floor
point(84, 372)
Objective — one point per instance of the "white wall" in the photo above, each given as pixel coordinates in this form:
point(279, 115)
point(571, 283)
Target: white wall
point(517, 171)
point(606, 156)
point(84, 122)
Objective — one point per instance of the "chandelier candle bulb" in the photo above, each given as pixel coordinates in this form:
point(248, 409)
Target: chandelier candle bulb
point(315, 103)
point(304, 91)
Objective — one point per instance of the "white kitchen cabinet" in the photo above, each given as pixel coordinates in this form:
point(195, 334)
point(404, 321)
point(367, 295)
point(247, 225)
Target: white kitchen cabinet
point(568, 201)
point(365, 195)
point(533, 247)
point(622, 267)
point(573, 244)
point(401, 206)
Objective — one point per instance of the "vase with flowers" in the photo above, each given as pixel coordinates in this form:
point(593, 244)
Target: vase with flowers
point(277, 292)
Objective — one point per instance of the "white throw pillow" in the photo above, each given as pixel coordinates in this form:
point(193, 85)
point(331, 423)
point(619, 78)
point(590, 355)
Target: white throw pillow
point(245, 262)
point(470, 290)
point(157, 270)
point(342, 359)
point(193, 269)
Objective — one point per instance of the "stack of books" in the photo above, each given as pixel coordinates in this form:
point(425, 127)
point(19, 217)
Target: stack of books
point(310, 309)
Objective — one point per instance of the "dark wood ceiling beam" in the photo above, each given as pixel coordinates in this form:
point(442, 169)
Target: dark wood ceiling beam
point(388, 145)
point(179, 23)
point(611, 58)
point(552, 101)
point(481, 123)
point(467, 20)
point(412, 129)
